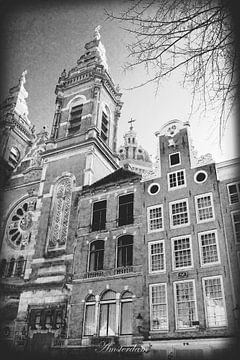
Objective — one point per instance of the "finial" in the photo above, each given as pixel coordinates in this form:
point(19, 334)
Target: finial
point(131, 121)
point(97, 35)
point(23, 77)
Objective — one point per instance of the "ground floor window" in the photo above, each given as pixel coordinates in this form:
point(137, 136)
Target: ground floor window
point(109, 314)
point(158, 307)
point(185, 304)
point(214, 302)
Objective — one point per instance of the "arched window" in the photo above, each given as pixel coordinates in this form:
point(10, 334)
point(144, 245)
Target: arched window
point(20, 223)
point(19, 266)
point(107, 319)
point(60, 214)
point(105, 124)
point(75, 116)
point(96, 255)
point(3, 266)
point(11, 267)
point(126, 313)
point(89, 321)
point(125, 251)
point(14, 157)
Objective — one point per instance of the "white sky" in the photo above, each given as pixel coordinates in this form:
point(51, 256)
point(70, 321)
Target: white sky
point(45, 39)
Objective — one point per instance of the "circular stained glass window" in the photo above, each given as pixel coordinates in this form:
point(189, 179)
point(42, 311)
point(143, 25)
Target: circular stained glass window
point(20, 223)
point(200, 176)
point(153, 189)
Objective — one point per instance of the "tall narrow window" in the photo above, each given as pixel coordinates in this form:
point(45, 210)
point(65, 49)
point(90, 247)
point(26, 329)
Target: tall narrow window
point(204, 207)
point(96, 255)
point(3, 267)
point(179, 213)
point(14, 157)
point(60, 214)
point(236, 225)
point(126, 314)
point(75, 119)
point(156, 256)
point(182, 252)
point(19, 266)
point(234, 193)
point(185, 304)
point(105, 124)
point(209, 253)
point(107, 319)
point(155, 218)
point(125, 209)
point(214, 302)
point(99, 215)
point(89, 320)
point(11, 266)
point(125, 251)
point(158, 307)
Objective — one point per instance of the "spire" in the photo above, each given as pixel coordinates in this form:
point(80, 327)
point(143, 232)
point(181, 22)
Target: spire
point(95, 52)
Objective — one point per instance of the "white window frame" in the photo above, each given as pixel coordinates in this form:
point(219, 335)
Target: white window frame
point(175, 304)
point(150, 186)
point(150, 257)
point(173, 253)
point(179, 159)
point(177, 186)
point(151, 307)
point(233, 225)
point(149, 220)
point(201, 248)
point(237, 183)
point(199, 172)
point(171, 215)
point(205, 305)
point(199, 221)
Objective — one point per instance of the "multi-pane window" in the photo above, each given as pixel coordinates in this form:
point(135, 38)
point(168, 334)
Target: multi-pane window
point(204, 207)
point(75, 118)
point(236, 225)
point(234, 193)
point(214, 302)
point(110, 317)
point(179, 213)
point(155, 218)
point(99, 215)
point(176, 179)
point(89, 321)
point(174, 159)
point(185, 304)
point(125, 251)
point(104, 126)
point(96, 255)
point(156, 252)
point(107, 316)
point(209, 253)
point(14, 157)
point(182, 252)
point(125, 209)
point(45, 318)
point(158, 307)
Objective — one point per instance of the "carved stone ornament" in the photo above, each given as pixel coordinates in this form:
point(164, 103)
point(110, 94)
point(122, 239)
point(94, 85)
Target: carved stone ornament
point(20, 223)
point(61, 212)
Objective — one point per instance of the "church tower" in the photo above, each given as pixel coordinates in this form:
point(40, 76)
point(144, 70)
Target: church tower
point(88, 107)
point(16, 131)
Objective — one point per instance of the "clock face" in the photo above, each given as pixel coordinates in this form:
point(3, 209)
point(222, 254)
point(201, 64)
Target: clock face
point(20, 223)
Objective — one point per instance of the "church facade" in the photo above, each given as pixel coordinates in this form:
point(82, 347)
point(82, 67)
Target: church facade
point(95, 255)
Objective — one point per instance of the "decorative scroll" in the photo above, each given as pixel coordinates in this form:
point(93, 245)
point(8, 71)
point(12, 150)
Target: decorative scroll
point(20, 223)
point(61, 214)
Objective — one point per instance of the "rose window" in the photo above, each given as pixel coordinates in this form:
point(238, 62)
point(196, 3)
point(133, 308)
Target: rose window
point(20, 223)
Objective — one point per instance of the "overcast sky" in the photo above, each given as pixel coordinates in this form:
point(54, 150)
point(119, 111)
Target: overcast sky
point(46, 37)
